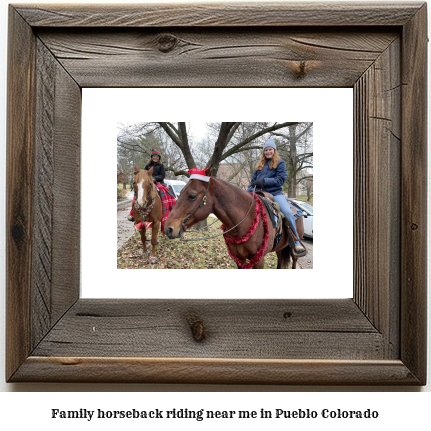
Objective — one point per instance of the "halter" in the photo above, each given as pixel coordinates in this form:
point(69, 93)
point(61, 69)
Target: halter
point(146, 210)
point(202, 202)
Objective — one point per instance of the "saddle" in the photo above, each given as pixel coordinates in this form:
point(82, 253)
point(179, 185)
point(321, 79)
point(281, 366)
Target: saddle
point(276, 216)
point(266, 195)
point(278, 219)
point(297, 212)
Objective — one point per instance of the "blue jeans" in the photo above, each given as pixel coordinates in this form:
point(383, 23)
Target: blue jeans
point(285, 209)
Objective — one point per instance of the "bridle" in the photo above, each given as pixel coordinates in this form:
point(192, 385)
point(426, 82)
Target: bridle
point(204, 202)
point(145, 209)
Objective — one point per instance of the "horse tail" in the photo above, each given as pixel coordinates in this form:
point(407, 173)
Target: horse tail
point(284, 258)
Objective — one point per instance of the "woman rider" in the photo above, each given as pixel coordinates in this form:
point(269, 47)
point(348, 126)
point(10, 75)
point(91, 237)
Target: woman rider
point(270, 175)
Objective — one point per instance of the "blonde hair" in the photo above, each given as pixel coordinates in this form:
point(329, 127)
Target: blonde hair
point(274, 161)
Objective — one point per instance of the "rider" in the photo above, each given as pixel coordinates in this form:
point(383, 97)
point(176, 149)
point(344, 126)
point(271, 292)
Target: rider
point(270, 175)
point(158, 172)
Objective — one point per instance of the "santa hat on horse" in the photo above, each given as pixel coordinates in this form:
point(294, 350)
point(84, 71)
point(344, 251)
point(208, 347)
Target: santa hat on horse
point(199, 174)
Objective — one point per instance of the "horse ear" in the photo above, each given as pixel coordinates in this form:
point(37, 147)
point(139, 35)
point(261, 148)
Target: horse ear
point(136, 169)
point(151, 170)
point(208, 171)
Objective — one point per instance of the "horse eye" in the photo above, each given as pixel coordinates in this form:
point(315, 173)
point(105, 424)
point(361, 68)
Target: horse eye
point(191, 197)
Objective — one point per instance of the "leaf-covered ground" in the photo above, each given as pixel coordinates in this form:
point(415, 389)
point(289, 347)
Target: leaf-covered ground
point(208, 254)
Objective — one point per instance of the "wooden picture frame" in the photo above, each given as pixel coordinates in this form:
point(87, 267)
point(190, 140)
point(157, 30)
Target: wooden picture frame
point(376, 338)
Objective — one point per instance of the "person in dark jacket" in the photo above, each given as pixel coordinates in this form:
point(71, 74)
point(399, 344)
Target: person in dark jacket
point(158, 167)
point(270, 175)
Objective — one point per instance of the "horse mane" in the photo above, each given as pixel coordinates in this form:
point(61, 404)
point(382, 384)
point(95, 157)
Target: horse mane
point(234, 189)
point(230, 185)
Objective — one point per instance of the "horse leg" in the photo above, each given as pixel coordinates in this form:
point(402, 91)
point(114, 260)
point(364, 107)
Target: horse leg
point(294, 260)
point(154, 232)
point(144, 240)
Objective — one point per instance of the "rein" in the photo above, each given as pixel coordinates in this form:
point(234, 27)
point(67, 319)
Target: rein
point(203, 202)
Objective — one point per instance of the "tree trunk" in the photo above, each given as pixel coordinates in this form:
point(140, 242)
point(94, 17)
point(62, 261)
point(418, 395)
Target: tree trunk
point(291, 187)
point(219, 147)
point(293, 162)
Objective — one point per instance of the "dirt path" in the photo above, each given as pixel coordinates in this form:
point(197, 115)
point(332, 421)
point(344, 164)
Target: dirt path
point(125, 228)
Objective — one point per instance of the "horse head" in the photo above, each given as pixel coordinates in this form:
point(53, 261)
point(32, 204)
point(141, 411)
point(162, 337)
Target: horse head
point(143, 185)
point(193, 205)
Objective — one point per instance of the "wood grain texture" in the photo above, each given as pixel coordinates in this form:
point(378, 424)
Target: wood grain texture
point(220, 15)
point(378, 337)
point(210, 57)
point(57, 193)
point(268, 329)
point(377, 193)
point(414, 194)
point(215, 371)
point(56, 201)
point(44, 194)
point(66, 209)
point(19, 208)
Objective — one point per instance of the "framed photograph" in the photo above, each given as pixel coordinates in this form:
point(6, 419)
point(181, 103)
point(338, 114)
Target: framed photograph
point(104, 109)
point(377, 337)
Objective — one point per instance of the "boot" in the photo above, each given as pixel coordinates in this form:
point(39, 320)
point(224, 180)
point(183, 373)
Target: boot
point(299, 251)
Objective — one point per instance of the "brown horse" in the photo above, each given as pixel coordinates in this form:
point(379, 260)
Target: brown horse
point(245, 232)
point(147, 207)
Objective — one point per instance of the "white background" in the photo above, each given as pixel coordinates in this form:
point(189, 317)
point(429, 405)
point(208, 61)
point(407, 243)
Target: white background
point(331, 110)
point(400, 409)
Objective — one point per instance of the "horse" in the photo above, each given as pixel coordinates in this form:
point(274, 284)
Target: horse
point(149, 210)
point(246, 225)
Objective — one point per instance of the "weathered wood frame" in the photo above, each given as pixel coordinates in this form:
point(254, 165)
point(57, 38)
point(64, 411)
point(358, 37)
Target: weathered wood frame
point(378, 337)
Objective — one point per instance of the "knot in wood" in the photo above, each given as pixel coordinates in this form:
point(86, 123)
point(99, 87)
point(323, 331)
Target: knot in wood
point(300, 69)
point(18, 233)
point(197, 328)
point(167, 42)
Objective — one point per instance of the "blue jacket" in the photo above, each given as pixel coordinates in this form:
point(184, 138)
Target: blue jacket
point(274, 179)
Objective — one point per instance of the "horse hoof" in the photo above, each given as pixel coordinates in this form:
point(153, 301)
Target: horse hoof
point(152, 259)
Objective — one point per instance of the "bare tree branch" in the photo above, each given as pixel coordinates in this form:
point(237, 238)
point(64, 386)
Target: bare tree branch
point(251, 138)
point(172, 135)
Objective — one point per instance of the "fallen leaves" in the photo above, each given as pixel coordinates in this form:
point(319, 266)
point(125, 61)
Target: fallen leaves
point(174, 254)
